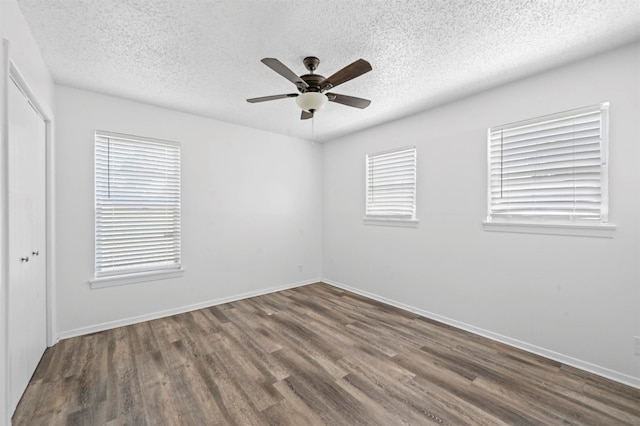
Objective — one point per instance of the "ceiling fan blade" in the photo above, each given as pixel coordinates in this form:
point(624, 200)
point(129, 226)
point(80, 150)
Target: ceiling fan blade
point(306, 115)
point(347, 73)
point(284, 71)
point(271, 98)
point(351, 101)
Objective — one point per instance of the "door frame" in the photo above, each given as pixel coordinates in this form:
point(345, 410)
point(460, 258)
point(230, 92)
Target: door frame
point(9, 73)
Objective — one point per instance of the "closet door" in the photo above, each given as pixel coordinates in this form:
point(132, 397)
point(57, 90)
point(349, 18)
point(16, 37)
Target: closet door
point(27, 267)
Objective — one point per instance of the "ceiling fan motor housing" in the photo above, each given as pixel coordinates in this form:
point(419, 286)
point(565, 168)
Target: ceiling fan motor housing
point(313, 81)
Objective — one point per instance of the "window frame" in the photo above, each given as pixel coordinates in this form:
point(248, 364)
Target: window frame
point(173, 266)
point(391, 219)
point(545, 224)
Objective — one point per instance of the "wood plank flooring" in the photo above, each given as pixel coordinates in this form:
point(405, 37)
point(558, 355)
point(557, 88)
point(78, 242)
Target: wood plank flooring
point(314, 355)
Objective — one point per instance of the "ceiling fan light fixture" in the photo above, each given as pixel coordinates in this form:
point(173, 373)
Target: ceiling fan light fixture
point(311, 101)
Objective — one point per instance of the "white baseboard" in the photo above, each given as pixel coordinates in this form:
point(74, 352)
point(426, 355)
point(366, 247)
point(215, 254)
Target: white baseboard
point(174, 311)
point(574, 362)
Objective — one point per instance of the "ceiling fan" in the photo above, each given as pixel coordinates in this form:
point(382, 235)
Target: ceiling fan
point(313, 87)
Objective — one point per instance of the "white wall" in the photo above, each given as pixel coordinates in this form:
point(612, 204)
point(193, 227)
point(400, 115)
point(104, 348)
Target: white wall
point(576, 299)
point(22, 51)
point(251, 211)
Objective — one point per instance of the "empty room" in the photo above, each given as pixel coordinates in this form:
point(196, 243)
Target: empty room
point(331, 212)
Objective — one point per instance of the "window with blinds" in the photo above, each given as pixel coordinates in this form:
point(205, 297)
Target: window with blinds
point(391, 184)
point(550, 168)
point(137, 204)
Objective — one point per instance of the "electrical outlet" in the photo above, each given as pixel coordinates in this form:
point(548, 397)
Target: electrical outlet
point(637, 345)
point(299, 268)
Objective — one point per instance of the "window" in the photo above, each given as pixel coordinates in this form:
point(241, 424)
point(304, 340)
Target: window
point(391, 185)
point(552, 168)
point(137, 205)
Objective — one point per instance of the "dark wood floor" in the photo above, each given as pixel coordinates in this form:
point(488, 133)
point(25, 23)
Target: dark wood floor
point(307, 356)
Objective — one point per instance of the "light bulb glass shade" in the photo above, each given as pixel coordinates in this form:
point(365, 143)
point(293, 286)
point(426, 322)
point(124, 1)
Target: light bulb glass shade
point(311, 101)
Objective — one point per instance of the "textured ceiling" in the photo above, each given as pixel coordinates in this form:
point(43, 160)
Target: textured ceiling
point(203, 56)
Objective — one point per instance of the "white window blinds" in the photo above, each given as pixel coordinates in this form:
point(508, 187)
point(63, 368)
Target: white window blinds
point(552, 167)
point(137, 204)
point(391, 184)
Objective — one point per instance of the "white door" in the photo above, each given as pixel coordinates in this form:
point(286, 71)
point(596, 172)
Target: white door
point(27, 338)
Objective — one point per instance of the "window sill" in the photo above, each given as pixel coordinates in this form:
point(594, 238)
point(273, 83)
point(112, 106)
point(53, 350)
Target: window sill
point(403, 223)
point(568, 229)
point(117, 280)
